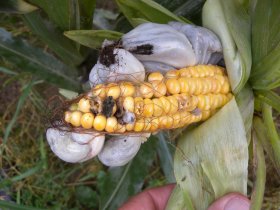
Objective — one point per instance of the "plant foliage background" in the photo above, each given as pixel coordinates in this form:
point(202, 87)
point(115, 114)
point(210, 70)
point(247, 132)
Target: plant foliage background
point(47, 47)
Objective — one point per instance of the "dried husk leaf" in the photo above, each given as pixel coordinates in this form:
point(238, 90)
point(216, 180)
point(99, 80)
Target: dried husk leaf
point(212, 159)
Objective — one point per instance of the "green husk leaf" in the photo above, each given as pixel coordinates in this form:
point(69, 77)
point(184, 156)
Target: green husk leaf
point(245, 102)
point(260, 174)
point(270, 98)
point(147, 10)
point(137, 21)
point(178, 201)
point(43, 65)
point(92, 38)
point(212, 159)
point(230, 21)
point(122, 182)
point(64, 48)
point(16, 6)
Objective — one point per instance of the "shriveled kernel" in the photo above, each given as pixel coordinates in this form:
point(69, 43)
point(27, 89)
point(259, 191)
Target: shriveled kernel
point(76, 118)
point(148, 108)
point(173, 86)
point(87, 120)
point(172, 74)
point(155, 76)
point(128, 104)
point(99, 90)
point(166, 104)
point(127, 89)
point(113, 90)
point(111, 124)
point(146, 90)
point(99, 123)
point(138, 105)
point(173, 104)
point(159, 88)
point(67, 116)
point(84, 105)
point(158, 107)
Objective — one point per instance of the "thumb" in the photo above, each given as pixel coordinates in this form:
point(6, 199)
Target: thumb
point(232, 201)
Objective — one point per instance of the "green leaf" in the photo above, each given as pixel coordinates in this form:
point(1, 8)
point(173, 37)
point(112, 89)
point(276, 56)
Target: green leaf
point(122, 182)
point(147, 10)
point(20, 103)
point(34, 60)
point(7, 71)
point(245, 102)
point(178, 201)
point(54, 38)
point(166, 152)
point(92, 38)
point(260, 174)
point(87, 196)
point(230, 21)
point(212, 159)
point(14, 206)
point(16, 6)
point(270, 98)
point(68, 15)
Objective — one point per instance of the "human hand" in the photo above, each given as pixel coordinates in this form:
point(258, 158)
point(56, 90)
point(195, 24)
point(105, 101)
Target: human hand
point(157, 198)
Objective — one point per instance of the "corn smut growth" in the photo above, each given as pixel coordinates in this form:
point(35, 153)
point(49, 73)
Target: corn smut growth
point(176, 99)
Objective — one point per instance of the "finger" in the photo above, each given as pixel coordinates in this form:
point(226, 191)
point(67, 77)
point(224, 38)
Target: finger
point(232, 201)
point(152, 199)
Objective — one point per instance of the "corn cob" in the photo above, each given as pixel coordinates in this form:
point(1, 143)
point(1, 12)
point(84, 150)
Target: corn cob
point(176, 99)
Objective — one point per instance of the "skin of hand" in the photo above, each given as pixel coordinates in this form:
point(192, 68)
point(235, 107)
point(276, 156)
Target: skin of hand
point(157, 198)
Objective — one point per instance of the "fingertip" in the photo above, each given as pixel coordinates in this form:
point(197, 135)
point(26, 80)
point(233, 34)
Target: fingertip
point(232, 201)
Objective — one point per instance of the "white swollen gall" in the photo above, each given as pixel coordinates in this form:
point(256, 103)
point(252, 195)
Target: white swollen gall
point(206, 45)
point(74, 148)
point(120, 65)
point(160, 43)
point(119, 150)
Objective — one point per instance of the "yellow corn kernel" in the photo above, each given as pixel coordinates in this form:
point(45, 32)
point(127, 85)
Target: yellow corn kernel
point(186, 102)
point(216, 86)
point(184, 87)
point(99, 90)
point(166, 104)
point(111, 124)
point(121, 128)
point(185, 117)
point(84, 105)
point(205, 114)
point(205, 102)
point(129, 127)
point(165, 121)
point(172, 74)
point(87, 120)
point(225, 87)
point(158, 107)
point(146, 90)
point(159, 88)
point(155, 76)
point(173, 86)
point(138, 106)
point(139, 125)
point(127, 89)
point(67, 116)
point(73, 107)
point(154, 124)
point(76, 118)
point(199, 86)
point(148, 109)
point(176, 119)
point(113, 90)
point(173, 104)
point(128, 104)
point(99, 123)
point(147, 124)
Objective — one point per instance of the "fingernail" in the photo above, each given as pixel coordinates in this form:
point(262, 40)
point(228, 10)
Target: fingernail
point(237, 204)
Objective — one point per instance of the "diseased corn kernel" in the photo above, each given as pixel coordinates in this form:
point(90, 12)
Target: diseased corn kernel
point(155, 76)
point(159, 88)
point(138, 106)
point(99, 90)
point(99, 123)
point(158, 107)
point(113, 90)
point(67, 116)
point(146, 90)
point(111, 124)
point(148, 109)
point(172, 74)
point(84, 105)
point(173, 86)
point(127, 89)
point(128, 104)
point(87, 120)
point(173, 104)
point(76, 118)
point(166, 104)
